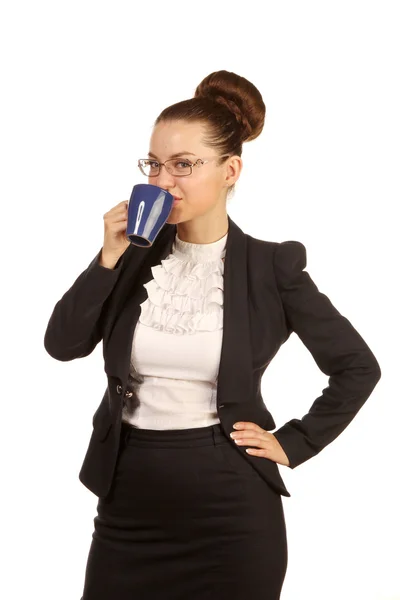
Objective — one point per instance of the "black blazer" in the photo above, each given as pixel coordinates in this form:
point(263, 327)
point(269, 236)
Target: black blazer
point(267, 295)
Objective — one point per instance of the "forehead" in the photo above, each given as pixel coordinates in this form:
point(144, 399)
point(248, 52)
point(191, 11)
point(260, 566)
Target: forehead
point(174, 137)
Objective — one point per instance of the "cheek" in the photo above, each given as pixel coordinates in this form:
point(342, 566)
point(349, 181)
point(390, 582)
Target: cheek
point(191, 191)
point(201, 189)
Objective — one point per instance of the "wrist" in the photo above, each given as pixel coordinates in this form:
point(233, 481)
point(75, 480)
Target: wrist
point(108, 262)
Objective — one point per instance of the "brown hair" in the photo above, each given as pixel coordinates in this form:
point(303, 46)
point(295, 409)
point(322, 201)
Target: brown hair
point(231, 108)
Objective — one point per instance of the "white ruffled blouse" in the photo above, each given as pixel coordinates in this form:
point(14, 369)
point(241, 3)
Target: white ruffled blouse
point(177, 341)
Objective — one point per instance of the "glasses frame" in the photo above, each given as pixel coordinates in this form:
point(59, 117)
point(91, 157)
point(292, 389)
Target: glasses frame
point(198, 163)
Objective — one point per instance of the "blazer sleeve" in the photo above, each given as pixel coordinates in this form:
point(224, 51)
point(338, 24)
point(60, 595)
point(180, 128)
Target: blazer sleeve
point(75, 326)
point(338, 349)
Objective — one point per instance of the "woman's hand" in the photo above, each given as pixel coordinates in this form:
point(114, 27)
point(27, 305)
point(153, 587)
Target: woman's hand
point(267, 446)
point(115, 240)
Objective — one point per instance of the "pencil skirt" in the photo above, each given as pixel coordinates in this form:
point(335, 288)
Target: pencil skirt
point(187, 517)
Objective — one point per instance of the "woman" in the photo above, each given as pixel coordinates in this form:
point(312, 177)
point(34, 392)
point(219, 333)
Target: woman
point(181, 458)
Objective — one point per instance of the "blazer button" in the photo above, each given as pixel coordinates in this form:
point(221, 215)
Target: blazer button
point(128, 394)
point(119, 389)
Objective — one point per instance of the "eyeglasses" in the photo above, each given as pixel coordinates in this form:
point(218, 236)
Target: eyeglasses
point(179, 167)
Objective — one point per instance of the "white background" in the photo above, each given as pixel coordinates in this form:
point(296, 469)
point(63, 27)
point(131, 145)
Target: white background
point(83, 83)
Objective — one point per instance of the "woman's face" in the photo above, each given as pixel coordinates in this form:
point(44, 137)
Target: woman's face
point(204, 191)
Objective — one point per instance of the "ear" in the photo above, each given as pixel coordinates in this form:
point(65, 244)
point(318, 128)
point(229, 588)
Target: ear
point(233, 168)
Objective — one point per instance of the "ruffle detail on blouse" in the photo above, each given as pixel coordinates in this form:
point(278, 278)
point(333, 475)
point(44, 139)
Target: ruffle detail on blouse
point(185, 296)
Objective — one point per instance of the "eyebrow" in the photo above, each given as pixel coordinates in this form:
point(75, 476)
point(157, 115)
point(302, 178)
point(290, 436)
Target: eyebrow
point(173, 155)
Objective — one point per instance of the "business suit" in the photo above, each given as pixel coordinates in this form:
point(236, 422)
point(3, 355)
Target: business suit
point(267, 296)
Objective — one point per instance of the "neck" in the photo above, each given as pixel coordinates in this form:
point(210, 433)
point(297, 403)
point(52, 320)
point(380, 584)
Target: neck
point(203, 232)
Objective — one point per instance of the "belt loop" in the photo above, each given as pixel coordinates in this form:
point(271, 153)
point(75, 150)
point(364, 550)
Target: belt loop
point(125, 434)
point(214, 427)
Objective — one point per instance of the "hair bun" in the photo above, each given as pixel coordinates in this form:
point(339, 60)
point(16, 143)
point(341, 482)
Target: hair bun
point(238, 96)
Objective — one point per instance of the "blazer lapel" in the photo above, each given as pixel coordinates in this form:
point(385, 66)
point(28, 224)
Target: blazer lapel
point(234, 386)
point(235, 369)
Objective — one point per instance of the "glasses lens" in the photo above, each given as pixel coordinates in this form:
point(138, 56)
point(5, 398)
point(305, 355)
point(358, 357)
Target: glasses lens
point(149, 167)
point(176, 166)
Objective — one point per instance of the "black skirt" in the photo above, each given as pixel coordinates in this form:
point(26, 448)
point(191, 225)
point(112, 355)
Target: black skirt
point(187, 518)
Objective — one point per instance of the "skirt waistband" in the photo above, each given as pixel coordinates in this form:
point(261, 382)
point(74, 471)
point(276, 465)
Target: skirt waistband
point(167, 438)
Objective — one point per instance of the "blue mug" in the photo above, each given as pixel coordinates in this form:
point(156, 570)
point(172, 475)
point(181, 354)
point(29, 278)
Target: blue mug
point(148, 210)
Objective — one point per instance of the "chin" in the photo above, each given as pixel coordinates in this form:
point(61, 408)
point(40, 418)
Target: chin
point(173, 219)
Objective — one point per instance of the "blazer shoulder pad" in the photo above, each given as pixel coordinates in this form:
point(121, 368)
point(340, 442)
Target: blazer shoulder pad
point(290, 258)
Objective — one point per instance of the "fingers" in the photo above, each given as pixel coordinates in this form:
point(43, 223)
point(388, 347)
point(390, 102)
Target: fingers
point(117, 212)
point(252, 440)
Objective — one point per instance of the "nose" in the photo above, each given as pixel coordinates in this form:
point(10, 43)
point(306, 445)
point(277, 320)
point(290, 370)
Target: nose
point(164, 179)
